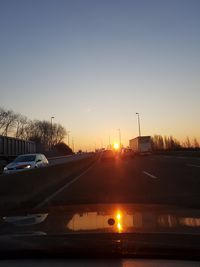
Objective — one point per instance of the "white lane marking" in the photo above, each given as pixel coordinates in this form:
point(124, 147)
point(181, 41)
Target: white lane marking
point(64, 187)
point(150, 175)
point(193, 165)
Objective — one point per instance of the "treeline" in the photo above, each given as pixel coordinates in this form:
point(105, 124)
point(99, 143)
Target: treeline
point(45, 134)
point(170, 143)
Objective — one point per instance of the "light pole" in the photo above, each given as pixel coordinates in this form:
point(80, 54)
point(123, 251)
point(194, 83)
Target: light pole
point(138, 115)
point(73, 144)
point(68, 137)
point(52, 130)
point(101, 144)
point(109, 145)
point(120, 144)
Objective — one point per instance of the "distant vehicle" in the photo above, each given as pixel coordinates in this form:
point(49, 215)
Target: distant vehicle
point(11, 147)
point(26, 162)
point(141, 145)
point(108, 155)
point(126, 153)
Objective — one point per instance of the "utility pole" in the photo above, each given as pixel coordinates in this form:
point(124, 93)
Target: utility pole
point(101, 143)
point(73, 144)
point(51, 131)
point(68, 138)
point(120, 144)
point(109, 142)
point(138, 115)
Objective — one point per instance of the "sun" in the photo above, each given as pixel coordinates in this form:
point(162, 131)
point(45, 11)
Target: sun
point(116, 146)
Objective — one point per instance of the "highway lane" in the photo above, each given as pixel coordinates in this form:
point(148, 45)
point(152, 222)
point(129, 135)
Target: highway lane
point(151, 179)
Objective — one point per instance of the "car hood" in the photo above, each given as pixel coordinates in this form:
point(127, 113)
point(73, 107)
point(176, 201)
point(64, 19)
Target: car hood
point(105, 218)
point(112, 228)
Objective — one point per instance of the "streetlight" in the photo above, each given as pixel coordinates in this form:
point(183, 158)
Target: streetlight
point(138, 115)
point(73, 144)
point(52, 130)
point(68, 137)
point(120, 144)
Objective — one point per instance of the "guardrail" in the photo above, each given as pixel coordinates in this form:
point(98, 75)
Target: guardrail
point(185, 153)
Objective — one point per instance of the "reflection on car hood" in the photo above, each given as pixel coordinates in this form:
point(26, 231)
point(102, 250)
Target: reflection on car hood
point(110, 218)
point(113, 229)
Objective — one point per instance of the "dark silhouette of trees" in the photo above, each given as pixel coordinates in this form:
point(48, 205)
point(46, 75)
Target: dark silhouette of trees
point(45, 134)
point(20, 126)
point(157, 142)
point(62, 148)
point(196, 144)
point(165, 143)
point(7, 121)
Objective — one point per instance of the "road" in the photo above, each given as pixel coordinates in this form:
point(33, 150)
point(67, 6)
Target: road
point(151, 179)
point(65, 159)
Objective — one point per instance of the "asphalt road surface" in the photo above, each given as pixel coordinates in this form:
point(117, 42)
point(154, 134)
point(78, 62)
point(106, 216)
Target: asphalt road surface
point(149, 179)
point(65, 159)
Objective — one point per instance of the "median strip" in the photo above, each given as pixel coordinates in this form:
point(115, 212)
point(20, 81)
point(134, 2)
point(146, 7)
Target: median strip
point(150, 175)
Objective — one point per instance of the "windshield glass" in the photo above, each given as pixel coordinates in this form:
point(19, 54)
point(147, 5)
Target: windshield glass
point(25, 158)
point(100, 107)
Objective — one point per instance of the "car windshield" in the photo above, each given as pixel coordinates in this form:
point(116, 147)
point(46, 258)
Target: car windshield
point(25, 158)
point(100, 124)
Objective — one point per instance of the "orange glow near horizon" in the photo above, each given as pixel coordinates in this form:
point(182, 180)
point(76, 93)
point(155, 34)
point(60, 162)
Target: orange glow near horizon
point(90, 143)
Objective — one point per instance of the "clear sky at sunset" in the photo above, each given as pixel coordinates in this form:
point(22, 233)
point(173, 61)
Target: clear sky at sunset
point(94, 64)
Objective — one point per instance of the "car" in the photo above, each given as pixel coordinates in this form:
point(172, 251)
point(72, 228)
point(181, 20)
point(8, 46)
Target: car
point(127, 153)
point(108, 155)
point(26, 162)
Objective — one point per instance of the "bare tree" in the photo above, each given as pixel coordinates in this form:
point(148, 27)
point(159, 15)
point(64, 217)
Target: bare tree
point(187, 143)
point(7, 122)
point(157, 142)
point(2, 118)
point(59, 133)
point(45, 133)
point(42, 132)
point(21, 123)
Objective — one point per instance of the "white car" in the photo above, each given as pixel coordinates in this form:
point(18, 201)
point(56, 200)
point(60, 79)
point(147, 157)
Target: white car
point(26, 162)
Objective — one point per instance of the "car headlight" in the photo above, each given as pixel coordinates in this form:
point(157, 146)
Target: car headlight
point(27, 166)
point(5, 168)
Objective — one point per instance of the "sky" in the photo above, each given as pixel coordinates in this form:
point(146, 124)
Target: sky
point(92, 64)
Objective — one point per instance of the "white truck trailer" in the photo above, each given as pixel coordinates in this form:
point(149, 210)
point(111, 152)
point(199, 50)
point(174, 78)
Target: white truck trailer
point(141, 145)
point(12, 147)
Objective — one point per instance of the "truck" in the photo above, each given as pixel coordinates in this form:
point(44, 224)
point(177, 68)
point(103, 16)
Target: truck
point(141, 145)
point(11, 147)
